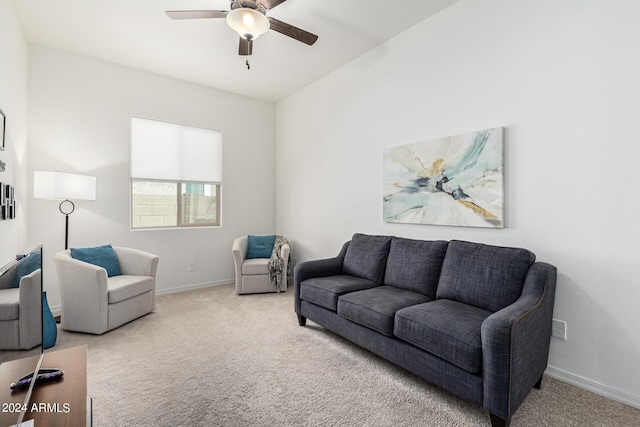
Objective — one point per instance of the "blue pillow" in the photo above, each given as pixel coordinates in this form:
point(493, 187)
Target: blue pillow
point(27, 266)
point(102, 256)
point(260, 246)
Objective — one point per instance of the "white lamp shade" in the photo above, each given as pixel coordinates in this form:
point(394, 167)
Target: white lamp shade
point(248, 23)
point(62, 186)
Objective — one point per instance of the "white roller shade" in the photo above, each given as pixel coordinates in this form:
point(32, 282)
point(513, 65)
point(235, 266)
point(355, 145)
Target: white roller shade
point(167, 151)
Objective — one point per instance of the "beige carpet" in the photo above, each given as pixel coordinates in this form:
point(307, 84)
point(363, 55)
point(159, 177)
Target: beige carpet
point(212, 358)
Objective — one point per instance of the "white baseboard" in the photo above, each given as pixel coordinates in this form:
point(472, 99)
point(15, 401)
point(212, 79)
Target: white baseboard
point(593, 386)
point(194, 286)
point(57, 309)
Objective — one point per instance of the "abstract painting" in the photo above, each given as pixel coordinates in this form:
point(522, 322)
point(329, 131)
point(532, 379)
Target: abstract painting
point(457, 180)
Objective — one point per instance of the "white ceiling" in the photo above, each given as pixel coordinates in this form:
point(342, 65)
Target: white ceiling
point(138, 34)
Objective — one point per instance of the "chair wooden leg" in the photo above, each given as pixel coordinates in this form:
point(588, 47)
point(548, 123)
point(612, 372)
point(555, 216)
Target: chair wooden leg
point(496, 421)
point(302, 320)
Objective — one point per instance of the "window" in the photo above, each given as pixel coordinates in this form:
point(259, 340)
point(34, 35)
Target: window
point(176, 175)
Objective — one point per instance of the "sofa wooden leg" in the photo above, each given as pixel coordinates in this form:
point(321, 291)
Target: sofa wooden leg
point(496, 421)
point(539, 383)
point(302, 320)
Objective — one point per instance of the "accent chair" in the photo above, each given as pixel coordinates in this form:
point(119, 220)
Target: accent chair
point(252, 275)
point(94, 303)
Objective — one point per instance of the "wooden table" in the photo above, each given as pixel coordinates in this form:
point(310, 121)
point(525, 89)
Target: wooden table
point(59, 403)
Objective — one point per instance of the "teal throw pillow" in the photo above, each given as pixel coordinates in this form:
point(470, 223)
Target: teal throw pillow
point(27, 266)
point(102, 256)
point(260, 246)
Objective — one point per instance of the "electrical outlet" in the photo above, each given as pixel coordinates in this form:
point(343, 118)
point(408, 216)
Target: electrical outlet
point(559, 329)
point(191, 266)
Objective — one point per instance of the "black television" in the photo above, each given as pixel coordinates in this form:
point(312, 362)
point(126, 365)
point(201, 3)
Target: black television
point(26, 271)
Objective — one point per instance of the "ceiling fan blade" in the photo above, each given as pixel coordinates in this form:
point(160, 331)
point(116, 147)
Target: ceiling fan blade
point(293, 32)
point(270, 4)
point(246, 47)
point(196, 14)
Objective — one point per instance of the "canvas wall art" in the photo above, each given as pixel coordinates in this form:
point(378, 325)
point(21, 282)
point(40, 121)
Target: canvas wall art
point(457, 180)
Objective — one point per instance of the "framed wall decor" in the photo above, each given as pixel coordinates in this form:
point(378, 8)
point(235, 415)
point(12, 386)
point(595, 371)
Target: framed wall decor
point(7, 202)
point(456, 180)
point(3, 122)
point(3, 201)
point(12, 202)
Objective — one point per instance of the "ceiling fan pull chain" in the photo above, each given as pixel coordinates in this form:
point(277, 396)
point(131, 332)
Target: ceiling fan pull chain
point(248, 66)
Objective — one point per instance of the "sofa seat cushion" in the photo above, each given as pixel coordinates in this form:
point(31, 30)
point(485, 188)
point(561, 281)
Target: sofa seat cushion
point(255, 266)
point(9, 304)
point(415, 265)
point(488, 277)
point(366, 257)
point(324, 291)
point(445, 328)
point(375, 308)
point(123, 287)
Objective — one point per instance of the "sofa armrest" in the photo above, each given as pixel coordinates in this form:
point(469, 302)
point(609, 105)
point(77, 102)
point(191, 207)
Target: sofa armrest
point(515, 343)
point(30, 310)
point(136, 262)
point(239, 252)
point(30, 292)
point(83, 292)
point(285, 250)
point(316, 268)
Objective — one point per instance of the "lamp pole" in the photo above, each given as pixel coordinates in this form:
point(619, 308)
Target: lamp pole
point(66, 213)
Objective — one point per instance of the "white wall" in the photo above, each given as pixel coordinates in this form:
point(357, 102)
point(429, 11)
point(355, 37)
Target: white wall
point(79, 112)
point(562, 78)
point(13, 102)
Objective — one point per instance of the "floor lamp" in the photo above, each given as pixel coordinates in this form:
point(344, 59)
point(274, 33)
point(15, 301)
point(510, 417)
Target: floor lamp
point(65, 187)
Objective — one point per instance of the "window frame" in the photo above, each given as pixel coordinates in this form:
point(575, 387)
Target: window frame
point(180, 223)
point(179, 183)
point(218, 190)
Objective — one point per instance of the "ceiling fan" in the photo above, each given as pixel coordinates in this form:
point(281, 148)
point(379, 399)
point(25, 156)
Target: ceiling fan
point(248, 18)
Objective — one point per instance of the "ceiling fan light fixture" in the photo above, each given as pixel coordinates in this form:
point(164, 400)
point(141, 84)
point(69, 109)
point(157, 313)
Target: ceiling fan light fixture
point(248, 23)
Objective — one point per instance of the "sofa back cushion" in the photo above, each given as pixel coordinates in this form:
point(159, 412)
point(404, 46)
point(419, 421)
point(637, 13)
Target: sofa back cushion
point(366, 257)
point(488, 277)
point(415, 265)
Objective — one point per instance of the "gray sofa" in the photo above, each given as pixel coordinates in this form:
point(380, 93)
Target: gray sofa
point(473, 319)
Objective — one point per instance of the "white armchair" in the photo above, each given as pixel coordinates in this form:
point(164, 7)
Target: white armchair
point(95, 303)
point(252, 275)
point(20, 318)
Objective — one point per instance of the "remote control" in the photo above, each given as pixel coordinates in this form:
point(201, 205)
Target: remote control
point(42, 377)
